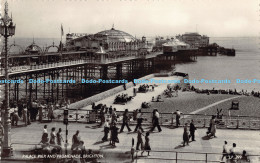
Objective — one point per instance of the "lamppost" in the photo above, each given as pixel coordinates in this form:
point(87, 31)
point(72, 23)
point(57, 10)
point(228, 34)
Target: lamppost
point(6, 29)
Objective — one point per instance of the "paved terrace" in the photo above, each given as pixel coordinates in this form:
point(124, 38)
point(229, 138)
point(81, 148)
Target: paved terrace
point(134, 104)
point(139, 98)
point(167, 140)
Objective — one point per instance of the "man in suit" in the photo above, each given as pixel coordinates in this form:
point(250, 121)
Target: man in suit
point(192, 130)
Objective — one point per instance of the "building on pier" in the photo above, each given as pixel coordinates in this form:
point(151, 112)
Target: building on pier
point(194, 39)
point(110, 40)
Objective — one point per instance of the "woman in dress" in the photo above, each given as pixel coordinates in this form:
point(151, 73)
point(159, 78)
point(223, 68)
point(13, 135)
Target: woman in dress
point(59, 137)
point(213, 126)
point(147, 146)
point(53, 136)
point(186, 135)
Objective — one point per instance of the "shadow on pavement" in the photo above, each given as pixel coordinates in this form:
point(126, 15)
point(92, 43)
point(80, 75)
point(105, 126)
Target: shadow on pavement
point(205, 137)
point(99, 142)
point(179, 146)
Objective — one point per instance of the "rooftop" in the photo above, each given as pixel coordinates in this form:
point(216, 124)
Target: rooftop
point(117, 35)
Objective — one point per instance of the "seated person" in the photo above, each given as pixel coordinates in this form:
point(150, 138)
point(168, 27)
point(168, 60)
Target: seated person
point(145, 105)
point(80, 149)
point(244, 156)
point(153, 99)
point(46, 148)
point(159, 98)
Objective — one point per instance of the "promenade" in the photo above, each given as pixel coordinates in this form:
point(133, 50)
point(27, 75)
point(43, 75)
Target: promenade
point(165, 145)
point(167, 140)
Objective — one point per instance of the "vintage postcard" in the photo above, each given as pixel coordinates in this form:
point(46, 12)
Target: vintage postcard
point(130, 81)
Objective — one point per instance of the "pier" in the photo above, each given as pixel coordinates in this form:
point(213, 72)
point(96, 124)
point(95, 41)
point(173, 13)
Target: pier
point(40, 65)
point(214, 49)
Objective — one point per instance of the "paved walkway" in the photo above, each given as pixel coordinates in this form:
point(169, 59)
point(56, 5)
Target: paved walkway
point(139, 98)
point(167, 140)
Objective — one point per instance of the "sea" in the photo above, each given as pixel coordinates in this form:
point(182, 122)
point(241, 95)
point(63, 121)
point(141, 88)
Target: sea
point(244, 67)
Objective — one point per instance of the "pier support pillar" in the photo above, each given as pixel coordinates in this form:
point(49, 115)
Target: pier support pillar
point(119, 71)
point(103, 72)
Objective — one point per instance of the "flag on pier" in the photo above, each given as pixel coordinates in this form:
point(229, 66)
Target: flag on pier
point(62, 33)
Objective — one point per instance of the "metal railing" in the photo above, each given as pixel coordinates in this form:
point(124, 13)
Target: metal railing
point(97, 60)
point(166, 119)
point(180, 156)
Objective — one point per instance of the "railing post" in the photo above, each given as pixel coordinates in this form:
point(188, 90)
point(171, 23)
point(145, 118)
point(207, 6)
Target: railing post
point(176, 158)
point(206, 157)
point(237, 121)
point(172, 117)
point(161, 116)
point(205, 120)
point(77, 117)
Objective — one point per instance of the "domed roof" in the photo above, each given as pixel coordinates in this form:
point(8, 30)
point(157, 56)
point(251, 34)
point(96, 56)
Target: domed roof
point(33, 48)
point(117, 36)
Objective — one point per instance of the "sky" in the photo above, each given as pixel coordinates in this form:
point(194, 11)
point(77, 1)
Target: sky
point(215, 18)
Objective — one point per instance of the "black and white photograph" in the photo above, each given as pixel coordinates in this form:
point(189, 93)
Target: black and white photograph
point(130, 81)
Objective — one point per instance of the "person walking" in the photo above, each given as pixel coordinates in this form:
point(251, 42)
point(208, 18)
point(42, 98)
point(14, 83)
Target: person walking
point(52, 136)
point(147, 146)
point(192, 130)
point(102, 116)
point(75, 140)
point(233, 152)
point(139, 121)
point(139, 139)
point(1, 133)
point(178, 116)
point(225, 151)
point(114, 134)
point(186, 135)
point(59, 137)
point(155, 121)
point(106, 130)
point(125, 121)
point(213, 126)
point(45, 129)
point(34, 110)
point(50, 113)
point(15, 117)
point(114, 115)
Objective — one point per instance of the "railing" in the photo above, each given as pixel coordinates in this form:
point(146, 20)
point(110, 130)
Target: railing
point(97, 60)
point(167, 119)
point(180, 156)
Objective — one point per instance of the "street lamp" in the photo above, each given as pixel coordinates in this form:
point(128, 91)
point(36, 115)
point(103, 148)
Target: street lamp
point(6, 29)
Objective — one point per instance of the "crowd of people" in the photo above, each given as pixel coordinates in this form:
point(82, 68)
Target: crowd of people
point(31, 112)
point(171, 92)
point(233, 154)
point(52, 142)
point(228, 91)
